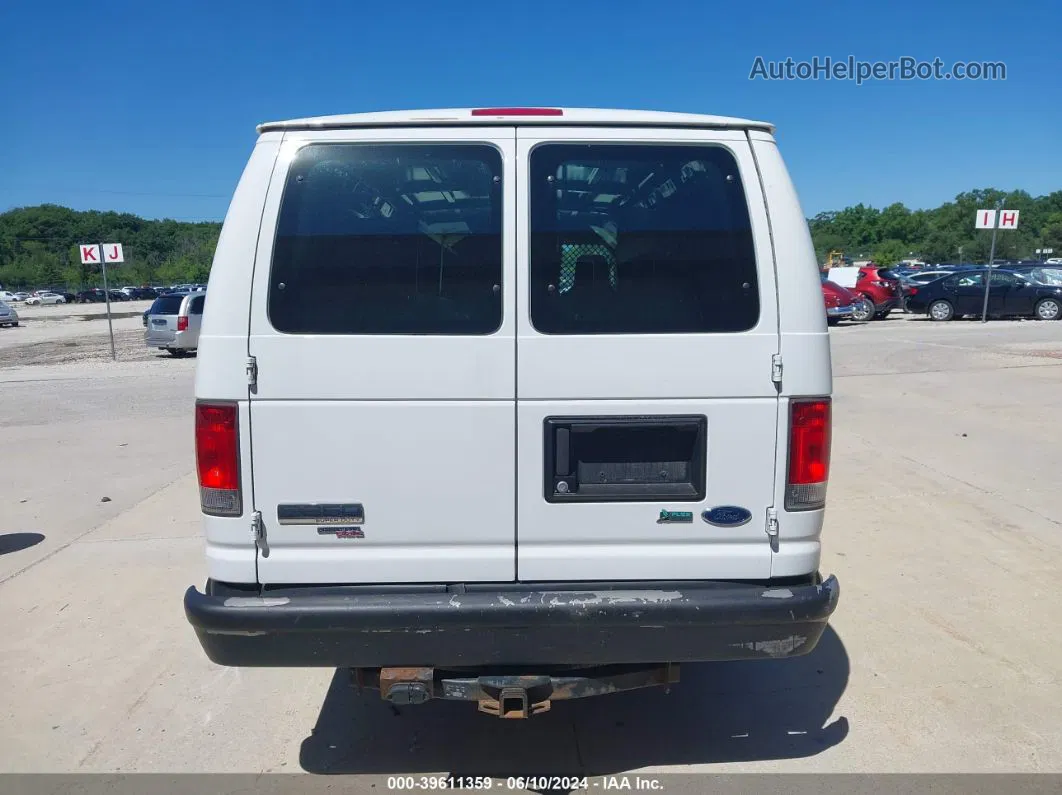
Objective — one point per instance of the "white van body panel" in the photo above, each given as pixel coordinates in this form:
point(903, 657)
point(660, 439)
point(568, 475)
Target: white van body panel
point(805, 346)
point(231, 552)
point(725, 377)
point(221, 359)
point(419, 430)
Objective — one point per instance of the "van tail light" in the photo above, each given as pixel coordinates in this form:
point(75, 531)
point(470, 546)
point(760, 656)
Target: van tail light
point(182, 323)
point(809, 454)
point(217, 458)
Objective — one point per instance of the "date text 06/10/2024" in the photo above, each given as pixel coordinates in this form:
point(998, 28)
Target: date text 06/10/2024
point(519, 783)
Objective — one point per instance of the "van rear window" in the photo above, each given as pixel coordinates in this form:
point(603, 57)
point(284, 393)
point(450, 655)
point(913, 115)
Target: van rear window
point(396, 239)
point(166, 305)
point(640, 239)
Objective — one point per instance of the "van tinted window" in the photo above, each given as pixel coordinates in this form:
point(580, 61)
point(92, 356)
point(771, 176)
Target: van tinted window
point(640, 239)
point(401, 239)
point(195, 306)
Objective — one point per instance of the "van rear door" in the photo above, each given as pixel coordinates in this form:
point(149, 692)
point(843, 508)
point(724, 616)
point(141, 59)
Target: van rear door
point(647, 411)
point(382, 328)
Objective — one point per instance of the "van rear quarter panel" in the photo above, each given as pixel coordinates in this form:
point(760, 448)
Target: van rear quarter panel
point(223, 337)
point(805, 346)
point(231, 553)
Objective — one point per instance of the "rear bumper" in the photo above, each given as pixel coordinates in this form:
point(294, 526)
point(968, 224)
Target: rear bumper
point(154, 338)
point(159, 338)
point(581, 624)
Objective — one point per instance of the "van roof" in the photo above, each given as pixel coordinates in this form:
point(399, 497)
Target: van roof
point(522, 115)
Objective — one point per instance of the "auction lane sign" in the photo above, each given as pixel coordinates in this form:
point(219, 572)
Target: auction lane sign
point(104, 254)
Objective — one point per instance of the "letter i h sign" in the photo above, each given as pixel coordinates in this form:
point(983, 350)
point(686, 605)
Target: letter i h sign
point(995, 220)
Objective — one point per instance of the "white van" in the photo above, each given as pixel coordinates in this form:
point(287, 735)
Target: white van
point(512, 389)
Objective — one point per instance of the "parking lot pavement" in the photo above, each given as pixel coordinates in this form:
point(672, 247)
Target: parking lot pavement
point(942, 656)
point(75, 434)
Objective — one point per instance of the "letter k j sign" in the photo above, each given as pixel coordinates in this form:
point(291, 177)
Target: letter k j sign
point(90, 255)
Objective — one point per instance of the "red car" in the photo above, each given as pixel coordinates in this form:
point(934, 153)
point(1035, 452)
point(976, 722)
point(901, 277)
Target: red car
point(841, 302)
point(882, 288)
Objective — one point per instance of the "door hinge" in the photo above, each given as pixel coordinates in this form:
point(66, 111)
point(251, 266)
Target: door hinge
point(776, 368)
point(257, 528)
point(772, 527)
point(251, 368)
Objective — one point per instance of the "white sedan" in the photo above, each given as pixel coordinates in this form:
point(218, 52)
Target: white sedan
point(45, 298)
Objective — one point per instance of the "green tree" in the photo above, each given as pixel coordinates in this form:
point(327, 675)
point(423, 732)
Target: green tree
point(937, 234)
point(38, 246)
point(889, 252)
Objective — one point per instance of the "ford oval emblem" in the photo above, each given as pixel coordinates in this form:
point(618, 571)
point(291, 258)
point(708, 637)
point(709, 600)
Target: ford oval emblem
point(727, 516)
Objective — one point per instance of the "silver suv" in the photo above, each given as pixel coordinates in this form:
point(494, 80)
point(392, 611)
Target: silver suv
point(172, 323)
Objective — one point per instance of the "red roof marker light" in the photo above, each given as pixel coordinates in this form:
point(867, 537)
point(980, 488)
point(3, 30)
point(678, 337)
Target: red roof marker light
point(517, 112)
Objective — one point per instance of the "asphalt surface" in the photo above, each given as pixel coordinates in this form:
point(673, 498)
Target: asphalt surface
point(942, 526)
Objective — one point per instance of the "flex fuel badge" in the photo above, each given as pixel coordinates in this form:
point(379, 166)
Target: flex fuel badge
point(675, 517)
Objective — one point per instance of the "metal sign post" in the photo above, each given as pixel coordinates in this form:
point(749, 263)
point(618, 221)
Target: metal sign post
point(107, 297)
point(101, 254)
point(995, 220)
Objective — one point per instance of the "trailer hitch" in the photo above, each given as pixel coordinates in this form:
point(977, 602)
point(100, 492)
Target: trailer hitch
point(509, 694)
point(514, 697)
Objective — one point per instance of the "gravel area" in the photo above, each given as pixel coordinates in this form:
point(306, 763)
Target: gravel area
point(74, 334)
point(70, 321)
point(128, 345)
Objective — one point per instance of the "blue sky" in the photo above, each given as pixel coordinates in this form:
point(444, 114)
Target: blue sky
point(151, 110)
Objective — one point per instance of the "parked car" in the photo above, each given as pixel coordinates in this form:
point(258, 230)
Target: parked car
point(7, 296)
point(879, 285)
point(21, 296)
point(1010, 295)
point(8, 315)
point(909, 282)
point(140, 293)
point(172, 323)
point(92, 296)
point(841, 303)
point(39, 299)
point(521, 458)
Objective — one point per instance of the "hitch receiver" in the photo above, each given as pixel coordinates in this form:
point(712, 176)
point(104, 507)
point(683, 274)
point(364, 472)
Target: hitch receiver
point(514, 701)
point(508, 693)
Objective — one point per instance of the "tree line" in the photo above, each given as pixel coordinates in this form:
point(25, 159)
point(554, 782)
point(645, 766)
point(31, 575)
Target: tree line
point(936, 236)
point(39, 248)
point(38, 245)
